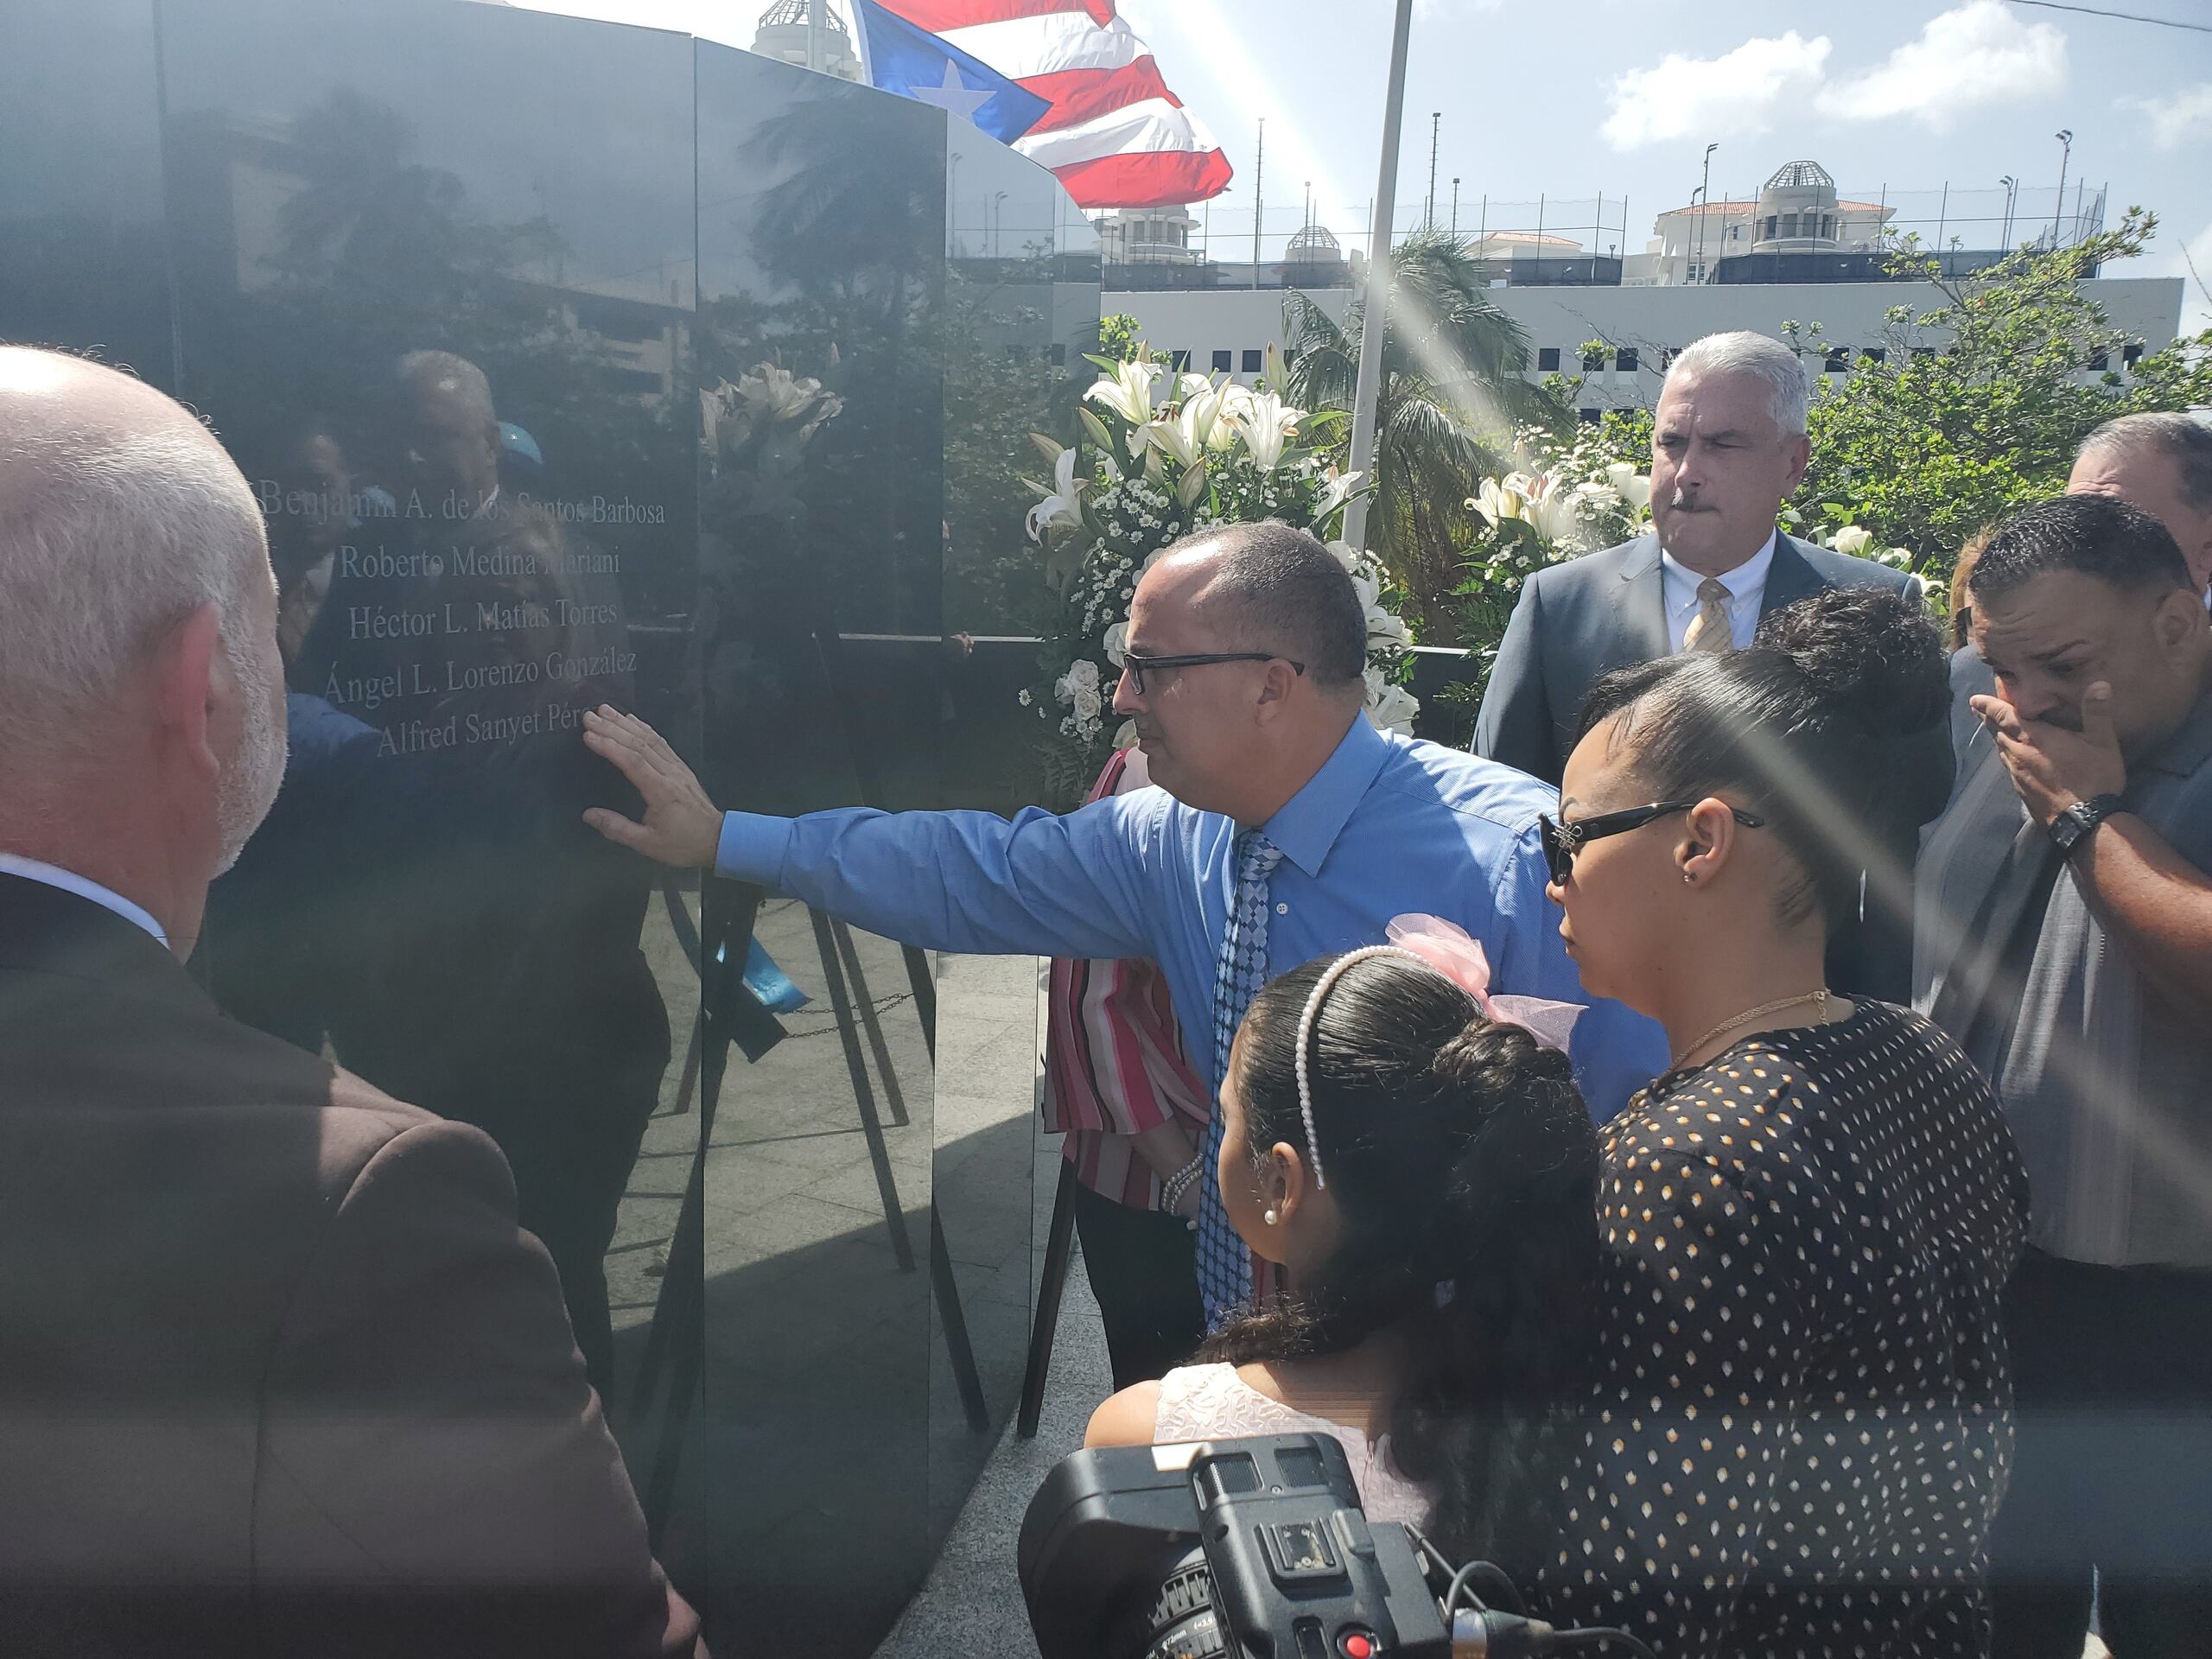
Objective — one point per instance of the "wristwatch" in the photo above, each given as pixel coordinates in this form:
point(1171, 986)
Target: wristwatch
point(2072, 826)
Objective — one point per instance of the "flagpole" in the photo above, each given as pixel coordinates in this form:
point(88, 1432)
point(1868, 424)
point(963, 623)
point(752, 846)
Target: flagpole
point(1376, 316)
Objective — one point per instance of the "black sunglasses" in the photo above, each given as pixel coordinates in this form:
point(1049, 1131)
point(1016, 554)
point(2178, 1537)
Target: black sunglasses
point(1563, 841)
point(1136, 666)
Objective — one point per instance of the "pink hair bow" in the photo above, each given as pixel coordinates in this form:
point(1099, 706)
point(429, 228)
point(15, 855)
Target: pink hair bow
point(1447, 949)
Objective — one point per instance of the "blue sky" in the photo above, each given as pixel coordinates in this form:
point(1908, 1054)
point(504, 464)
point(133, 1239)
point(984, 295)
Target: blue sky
point(1573, 99)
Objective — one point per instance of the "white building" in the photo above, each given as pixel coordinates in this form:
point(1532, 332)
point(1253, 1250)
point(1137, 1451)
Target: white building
point(1231, 328)
point(782, 35)
point(1798, 211)
point(1798, 253)
point(1147, 235)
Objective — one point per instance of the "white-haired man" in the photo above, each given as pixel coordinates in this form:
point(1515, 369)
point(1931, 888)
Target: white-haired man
point(280, 1375)
point(1728, 447)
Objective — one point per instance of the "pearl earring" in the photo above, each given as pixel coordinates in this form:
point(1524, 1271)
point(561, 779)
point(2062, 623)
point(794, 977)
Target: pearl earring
point(1269, 1216)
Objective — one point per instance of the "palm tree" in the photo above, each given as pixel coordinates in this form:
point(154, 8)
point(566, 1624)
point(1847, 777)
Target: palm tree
point(1452, 392)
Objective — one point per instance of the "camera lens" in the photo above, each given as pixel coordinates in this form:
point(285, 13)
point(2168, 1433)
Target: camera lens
point(1180, 1623)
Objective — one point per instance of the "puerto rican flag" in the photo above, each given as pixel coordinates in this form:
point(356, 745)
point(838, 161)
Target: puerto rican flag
point(1114, 135)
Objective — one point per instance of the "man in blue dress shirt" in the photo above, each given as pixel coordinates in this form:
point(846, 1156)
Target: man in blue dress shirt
point(1276, 802)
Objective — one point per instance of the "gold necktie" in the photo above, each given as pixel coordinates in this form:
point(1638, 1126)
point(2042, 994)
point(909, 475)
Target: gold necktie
point(1710, 629)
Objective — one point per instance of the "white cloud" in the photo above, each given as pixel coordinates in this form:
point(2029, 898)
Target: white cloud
point(1984, 52)
point(1714, 98)
point(2184, 117)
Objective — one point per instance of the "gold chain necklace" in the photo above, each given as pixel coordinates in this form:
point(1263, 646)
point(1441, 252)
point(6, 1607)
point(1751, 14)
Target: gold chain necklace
point(1819, 999)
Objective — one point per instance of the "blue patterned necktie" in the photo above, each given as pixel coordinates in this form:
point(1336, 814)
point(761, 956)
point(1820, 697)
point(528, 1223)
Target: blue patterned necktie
point(1224, 1261)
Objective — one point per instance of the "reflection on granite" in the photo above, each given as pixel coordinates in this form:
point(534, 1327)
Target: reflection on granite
point(573, 363)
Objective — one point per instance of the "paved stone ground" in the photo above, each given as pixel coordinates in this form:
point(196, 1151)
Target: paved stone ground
point(971, 1605)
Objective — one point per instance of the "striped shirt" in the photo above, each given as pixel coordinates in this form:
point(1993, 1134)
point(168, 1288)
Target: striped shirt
point(1114, 1060)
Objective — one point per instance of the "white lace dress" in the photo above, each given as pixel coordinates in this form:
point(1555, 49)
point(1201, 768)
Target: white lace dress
point(1211, 1402)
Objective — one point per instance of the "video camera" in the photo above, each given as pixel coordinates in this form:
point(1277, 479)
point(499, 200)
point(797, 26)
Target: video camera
point(1251, 1549)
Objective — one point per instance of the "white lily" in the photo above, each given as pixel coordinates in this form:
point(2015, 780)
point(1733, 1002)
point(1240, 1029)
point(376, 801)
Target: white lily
point(1127, 391)
point(1497, 500)
point(1064, 504)
point(1384, 631)
point(1369, 590)
point(1231, 403)
point(1336, 489)
point(1117, 639)
point(1276, 371)
point(1127, 737)
point(1554, 517)
point(1169, 434)
point(1347, 556)
point(1853, 540)
point(1200, 417)
point(1634, 487)
point(1188, 385)
point(1394, 710)
point(1266, 428)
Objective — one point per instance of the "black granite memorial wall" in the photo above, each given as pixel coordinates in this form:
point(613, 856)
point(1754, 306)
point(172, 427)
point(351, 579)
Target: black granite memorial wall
point(574, 363)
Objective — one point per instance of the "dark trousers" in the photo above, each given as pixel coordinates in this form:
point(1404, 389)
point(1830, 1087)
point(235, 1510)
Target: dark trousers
point(1143, 1269)
point(2112, 1376)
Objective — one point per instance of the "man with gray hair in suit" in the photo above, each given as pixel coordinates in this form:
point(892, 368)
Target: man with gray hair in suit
point(1728, 447)
point(282, 1375)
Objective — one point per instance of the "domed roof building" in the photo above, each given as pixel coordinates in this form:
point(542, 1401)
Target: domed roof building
point(782, 35)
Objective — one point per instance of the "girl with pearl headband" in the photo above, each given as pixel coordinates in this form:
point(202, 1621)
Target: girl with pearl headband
point(1416, 1156)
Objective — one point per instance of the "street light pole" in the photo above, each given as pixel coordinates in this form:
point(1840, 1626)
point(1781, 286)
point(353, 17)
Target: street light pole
point(2011, 187)
point(2065, 155)
point(1435, 129)
point(1455, 209)
point(1376, 315)
point(1705, 206)
point(1259, 201)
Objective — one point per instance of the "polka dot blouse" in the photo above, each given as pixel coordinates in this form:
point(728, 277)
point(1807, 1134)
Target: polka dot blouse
point(1801, 1429)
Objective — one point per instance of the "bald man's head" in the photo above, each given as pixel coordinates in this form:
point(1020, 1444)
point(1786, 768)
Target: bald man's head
point(121, 517)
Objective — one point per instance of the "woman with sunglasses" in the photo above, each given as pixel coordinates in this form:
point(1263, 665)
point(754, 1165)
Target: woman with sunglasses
point(1801, 1433)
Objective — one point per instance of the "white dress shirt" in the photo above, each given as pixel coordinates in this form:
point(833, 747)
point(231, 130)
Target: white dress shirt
point(53, 876)
point(1746, 586)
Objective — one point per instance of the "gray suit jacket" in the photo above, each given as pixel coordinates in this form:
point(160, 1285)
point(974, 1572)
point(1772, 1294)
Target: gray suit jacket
point(1578, 620)
point(2101, 1080)
point(1582, 619)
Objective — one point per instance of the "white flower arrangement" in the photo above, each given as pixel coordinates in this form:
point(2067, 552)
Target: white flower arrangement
point(1161, 456)
point(1556, 504)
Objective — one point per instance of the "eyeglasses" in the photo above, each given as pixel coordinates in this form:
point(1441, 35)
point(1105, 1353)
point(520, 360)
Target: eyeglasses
point(1563, 841)
point(1137, 667)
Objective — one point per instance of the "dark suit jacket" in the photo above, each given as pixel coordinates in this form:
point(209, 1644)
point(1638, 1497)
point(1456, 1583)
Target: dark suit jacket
point(279, 1375)
point(1970, 678)
point(1578, 620)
